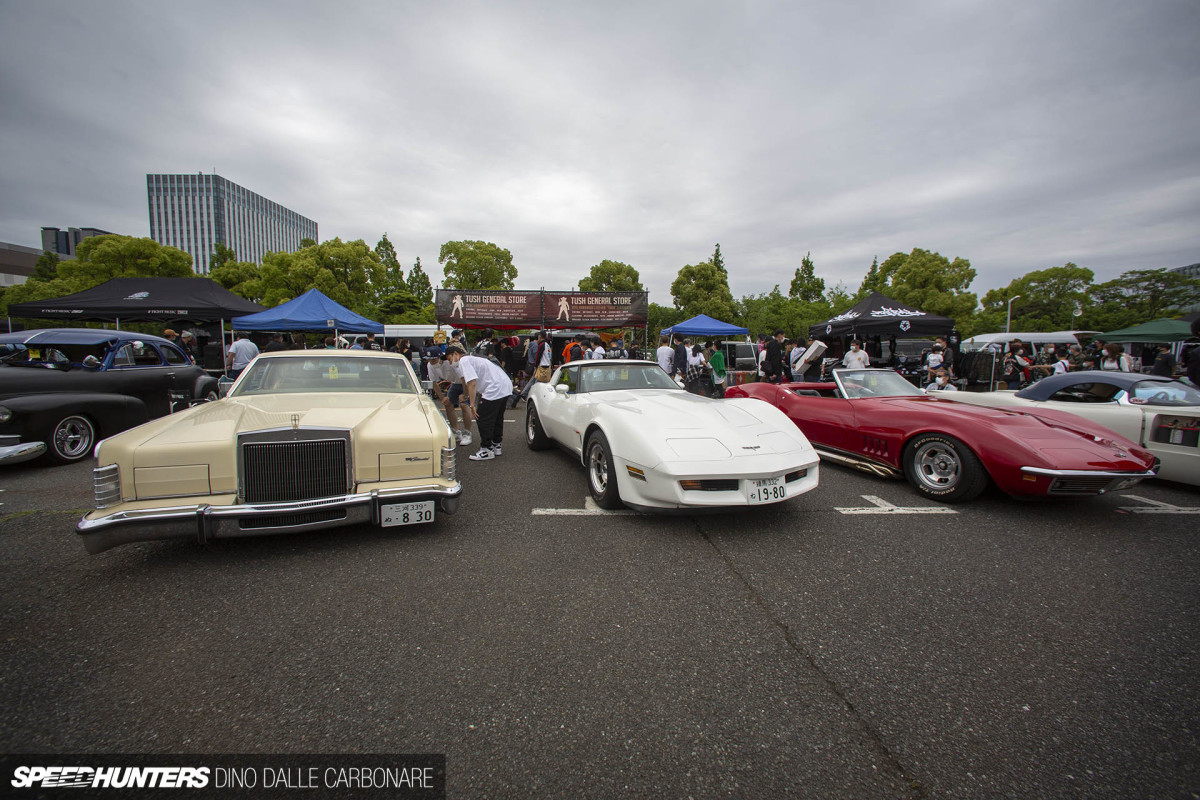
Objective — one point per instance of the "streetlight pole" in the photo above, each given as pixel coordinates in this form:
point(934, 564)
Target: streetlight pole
point(1008, 319)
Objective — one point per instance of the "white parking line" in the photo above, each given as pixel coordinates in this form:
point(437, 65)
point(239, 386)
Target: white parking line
point(881, 506)
point(1155, 507)
point(590, 509)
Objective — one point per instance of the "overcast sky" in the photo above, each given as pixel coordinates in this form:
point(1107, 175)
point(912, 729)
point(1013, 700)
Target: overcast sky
point(1018, 135)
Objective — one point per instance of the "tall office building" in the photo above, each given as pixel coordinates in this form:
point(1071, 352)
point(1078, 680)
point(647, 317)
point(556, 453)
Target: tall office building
point(197, 212)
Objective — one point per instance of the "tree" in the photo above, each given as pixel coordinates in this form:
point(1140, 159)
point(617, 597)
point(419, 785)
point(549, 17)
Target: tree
point(1141, 295)
point(402, 308)
point(611, 276)
point(476, 265)
point(873, 282)
point(931, 282)
point(346, 272)
point(419, 285)
point(703, 289)
point(1048, 300)
point(46, 268)
point(243, 278)
point(101, 258)
point(718, 261)
point(806, 286)
point(221, 255)
point(393, 273)
point(659, 317)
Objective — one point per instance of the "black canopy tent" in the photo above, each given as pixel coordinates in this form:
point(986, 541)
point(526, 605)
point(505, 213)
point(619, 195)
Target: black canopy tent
point(879, 315)
point(142, 300)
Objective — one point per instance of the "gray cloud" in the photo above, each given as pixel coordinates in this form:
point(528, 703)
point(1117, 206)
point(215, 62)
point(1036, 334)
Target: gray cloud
point(1019, 136)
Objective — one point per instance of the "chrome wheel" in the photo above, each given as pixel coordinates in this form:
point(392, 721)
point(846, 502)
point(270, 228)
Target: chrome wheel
point(602, 479)
point(598, 468)
point(937, 466)
point(73, 438)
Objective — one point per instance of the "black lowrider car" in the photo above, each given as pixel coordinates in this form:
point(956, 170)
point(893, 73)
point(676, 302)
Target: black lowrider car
point(64, 389)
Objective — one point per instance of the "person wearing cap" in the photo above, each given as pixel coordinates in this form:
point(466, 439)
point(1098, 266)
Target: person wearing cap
point(171, 336)
point(447, 387)
point(489, 389)
point(187, 340)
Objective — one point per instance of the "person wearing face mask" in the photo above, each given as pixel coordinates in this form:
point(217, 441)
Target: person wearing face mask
point(1016, 365)
point(941, 383)
point(857, 358)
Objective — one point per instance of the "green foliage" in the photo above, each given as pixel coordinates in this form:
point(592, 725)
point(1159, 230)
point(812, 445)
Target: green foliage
point(307, 242)
point(221, 255)
point(393, 280)
point(401, 308)
point(659, 317)
point(243, 278)
point(476, 265)
point(1047, 300)
point(101, 258)
point(718, 261)
point(837, 299)
point(931, 282)
point(419, 285)
point(806, 286)
point(703, 289)
point(1140, 295)
point(873, 282)
point(46, 268)
point(346, 272)
point(611, 276)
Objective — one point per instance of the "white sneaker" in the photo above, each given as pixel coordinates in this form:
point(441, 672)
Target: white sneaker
point(484, 454)
point(496, 449)
point(464, 438)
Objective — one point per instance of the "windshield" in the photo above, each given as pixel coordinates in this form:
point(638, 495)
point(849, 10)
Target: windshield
point(856, 383)
point(321, 373)
point(1164, 393)
point(624, 376)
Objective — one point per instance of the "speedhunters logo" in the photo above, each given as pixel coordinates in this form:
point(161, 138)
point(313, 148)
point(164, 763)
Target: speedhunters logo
point(309, 776)
point(110, 777)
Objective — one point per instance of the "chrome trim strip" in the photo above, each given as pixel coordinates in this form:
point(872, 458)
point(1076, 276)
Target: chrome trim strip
point(1087, 473)
point(16, 453)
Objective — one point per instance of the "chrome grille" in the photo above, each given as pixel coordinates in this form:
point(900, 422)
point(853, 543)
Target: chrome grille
point(300, 469)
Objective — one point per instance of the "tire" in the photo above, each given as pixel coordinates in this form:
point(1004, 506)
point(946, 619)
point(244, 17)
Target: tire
point(535, 437)
point(71, 440)
point(602, 473)
point(942, 468)
point(211, 396)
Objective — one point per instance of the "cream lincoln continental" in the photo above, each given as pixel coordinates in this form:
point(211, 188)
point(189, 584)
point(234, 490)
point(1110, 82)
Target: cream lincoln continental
point(304, 440)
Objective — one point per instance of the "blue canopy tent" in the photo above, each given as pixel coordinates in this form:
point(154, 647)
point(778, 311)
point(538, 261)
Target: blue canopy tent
point(704, 325)
point(311, 311)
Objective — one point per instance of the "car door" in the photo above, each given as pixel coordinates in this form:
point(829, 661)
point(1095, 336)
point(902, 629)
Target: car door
point(555, 406)
point(139, 371)
point(826, 421)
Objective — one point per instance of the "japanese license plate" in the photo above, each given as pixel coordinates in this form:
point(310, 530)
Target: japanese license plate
point(406, 513)
point(766, 490)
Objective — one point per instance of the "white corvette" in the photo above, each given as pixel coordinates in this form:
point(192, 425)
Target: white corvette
point(648, 444)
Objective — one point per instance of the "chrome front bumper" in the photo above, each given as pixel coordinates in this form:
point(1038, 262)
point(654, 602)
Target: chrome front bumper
point(1086, 481)
point(204, 522)
point(13, 451)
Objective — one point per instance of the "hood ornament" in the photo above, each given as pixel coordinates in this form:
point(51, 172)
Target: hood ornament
point(295, 421)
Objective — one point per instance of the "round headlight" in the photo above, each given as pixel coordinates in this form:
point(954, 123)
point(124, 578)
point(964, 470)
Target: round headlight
point(5, 414)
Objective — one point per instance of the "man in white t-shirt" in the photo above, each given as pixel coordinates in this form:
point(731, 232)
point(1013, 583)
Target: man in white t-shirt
point(598, 349)
point(857, 358)
point(665, 355)
point(489, 389)
point(241, 353)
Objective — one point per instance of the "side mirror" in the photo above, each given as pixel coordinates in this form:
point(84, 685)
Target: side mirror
point(561, 388)
point(91, 362)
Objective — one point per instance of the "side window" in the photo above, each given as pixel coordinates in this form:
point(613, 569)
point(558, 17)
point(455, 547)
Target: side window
point(570, 377)
point(173, 356)
point(124, 356)
point(133, 355)
point(1085, 393)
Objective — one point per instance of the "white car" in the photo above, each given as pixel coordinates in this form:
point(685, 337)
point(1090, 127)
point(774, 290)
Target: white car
point(648, 444)
point(1160, 414)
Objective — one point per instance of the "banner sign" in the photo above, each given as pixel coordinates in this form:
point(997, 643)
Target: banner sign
point(489, 308)
point(595, 309)
point(511, 309)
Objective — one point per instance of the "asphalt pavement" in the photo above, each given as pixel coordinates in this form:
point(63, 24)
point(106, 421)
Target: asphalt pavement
point(831, 646)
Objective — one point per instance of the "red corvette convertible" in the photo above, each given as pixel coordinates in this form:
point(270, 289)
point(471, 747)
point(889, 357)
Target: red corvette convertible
point(875, 420)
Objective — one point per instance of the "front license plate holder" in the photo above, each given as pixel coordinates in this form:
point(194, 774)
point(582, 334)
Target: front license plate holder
point(418, 513)
point(765, 490)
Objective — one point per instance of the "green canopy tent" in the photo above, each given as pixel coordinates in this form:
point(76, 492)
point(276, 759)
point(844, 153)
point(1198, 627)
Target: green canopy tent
point(1160, 330)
